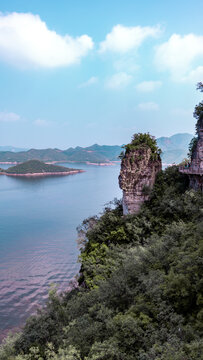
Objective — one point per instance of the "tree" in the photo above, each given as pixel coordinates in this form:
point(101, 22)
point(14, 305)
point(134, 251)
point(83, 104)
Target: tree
point(199, 107)
point(192, 147)
point(200, 86)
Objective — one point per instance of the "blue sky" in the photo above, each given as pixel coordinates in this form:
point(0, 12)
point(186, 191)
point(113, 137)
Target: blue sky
point(83, 72)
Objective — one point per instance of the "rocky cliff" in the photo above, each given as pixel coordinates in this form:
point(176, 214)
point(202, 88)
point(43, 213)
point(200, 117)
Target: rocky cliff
point(194, 169)
point(139, 167)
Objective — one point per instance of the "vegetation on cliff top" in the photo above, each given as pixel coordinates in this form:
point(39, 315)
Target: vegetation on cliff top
point(142, 141)
point(36, 167)
point(141, 286)
point(199, 107)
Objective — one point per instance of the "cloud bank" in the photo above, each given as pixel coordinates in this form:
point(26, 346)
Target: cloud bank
point(178, 56)
point(9, 117)
point(118, 81)
point(122, 39)
point(26, 41)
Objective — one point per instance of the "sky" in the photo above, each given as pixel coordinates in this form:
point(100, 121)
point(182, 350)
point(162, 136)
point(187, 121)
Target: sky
point(76, 73)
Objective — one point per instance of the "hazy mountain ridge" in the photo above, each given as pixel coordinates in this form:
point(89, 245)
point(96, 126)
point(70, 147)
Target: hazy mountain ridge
point(174, 149)
point(177, 141)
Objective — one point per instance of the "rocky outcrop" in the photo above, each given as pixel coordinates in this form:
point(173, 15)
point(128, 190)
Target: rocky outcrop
point(197, 156)
point(137, 177)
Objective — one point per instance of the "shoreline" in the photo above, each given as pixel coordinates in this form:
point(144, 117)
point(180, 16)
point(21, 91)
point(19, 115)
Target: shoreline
point(100, 164)
point(64, 173)
point(111, 163)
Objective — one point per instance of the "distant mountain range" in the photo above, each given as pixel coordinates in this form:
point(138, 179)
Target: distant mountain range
point(92, 154)
point(174, 149)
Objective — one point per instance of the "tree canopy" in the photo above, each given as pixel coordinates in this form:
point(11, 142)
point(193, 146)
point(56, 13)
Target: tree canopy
point(199, 107)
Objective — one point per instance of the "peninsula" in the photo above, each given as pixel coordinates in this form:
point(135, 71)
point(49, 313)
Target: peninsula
point(39, 168)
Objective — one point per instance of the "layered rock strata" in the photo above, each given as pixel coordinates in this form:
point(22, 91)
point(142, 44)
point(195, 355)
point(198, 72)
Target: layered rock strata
point(137, 177)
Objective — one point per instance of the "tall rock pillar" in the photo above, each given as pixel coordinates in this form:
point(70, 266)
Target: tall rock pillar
point(139, 167)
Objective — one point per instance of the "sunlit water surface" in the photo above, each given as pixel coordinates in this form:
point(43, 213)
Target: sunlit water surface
point(38, 220)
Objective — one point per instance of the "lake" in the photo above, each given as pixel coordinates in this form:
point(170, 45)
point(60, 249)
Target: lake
point(38, 220)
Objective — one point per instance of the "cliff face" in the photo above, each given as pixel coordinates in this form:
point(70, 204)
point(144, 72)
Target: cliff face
point(195, 169)
point(196, 166)
point(197, 156)
point(137, 177)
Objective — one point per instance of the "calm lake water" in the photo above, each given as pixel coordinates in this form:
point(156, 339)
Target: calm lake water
point(38, 220)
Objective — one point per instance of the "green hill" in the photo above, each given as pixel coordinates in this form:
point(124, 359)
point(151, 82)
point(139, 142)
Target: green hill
point(37, 167)
point(94, 154)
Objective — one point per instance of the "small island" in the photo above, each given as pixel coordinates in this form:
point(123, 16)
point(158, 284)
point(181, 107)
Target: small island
point(39, 168)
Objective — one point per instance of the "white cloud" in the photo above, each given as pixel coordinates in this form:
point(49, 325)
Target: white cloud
point(122, 39)
point(119, 81)
point(148, 86)
point(178, 54)
point(93, 80)
point(25, 41)
point(194, 75)
point(148, 106)
point(9, 117)
point(42, 122)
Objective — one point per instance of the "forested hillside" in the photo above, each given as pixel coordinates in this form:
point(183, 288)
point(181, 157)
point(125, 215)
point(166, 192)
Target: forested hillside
point(140, 293)
point(35, 167)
